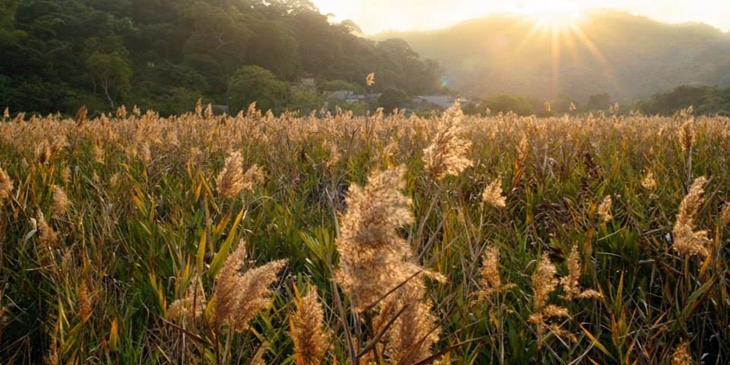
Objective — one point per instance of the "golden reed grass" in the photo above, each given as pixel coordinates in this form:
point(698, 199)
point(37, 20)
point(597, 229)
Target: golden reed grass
point(61, 203)
point(231, 181)
point(47, 235)
point(6, 186)
point(687, 240)
point(311, 340)
point(414, 332)
point(648, 182)
point(493, 195)
point(686, 135)
point(571, 283)
point(190, 307)
point(447, 153)
point(681, 355)
point(604, 209)
point(490, 282)
point(374, 260)
point(544, 282)
point(241, 296)
point(371, 251)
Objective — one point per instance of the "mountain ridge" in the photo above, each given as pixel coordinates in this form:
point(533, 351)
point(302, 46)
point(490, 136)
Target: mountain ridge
point(628, 56)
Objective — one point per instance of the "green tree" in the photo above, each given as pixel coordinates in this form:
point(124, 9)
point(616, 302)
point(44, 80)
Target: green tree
point(392, 98)
point(111, 72)
point(273, 46)
point(305, 101)
point(256, 84)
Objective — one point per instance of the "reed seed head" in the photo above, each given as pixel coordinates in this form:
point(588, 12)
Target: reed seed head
point(190, 307)
point(241, 296)
point(687, 135)
point(543, 281)
point(370, 79)
point(370, 247)
point(493, 196)
point(47, 236)
point(648, 182)
point(604, 209)
point(6, 186)
point(570, 283)
point(310, 340)
point(681, 355)
point(490, 282)
point(84, 302)
point(60, 201)
point(447, 153)
point(687, 240)
point(230, 180)
point(254, 175)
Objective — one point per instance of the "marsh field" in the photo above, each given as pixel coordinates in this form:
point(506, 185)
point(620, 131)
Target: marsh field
point(384, 239)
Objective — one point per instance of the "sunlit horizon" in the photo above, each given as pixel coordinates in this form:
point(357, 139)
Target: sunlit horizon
point(377, 16)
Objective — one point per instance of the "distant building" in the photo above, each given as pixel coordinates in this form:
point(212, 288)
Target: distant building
point(440, 102)
point(308, 85)
point(350, 97)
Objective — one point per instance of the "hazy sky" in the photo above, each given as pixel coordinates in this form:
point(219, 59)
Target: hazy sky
point(378, 15)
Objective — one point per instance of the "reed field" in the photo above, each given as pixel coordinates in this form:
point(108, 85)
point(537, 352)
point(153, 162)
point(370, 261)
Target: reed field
point(386, 239)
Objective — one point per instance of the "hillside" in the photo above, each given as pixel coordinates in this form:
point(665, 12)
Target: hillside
point(627, 56)
point(164, 55)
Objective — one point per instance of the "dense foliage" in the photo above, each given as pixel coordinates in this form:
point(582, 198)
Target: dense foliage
point(251, 239)
point(60, 55)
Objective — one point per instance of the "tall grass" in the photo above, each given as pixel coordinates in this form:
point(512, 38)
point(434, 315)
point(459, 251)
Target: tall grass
point(382, 239)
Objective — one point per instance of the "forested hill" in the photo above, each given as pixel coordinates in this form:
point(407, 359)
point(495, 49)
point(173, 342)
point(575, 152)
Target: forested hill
point(607, 52)
point(60, 54)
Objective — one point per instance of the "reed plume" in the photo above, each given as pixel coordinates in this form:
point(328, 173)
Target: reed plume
point(48, 237)
point(252, 176)
point(604, 209)
point(490, 282)
point(648, 182)
point(230, 180)
point(191, 306)
point(43, 152)
point(681, 355)
point(544, 283)
point(371, 251)
point(374, 260)
point(447, 153)
point(523, 148)
point(83, 306)
point(60, 201)
point(688, 241)
point(570, 283)
point(413, 332)
point(241, 296)
point(6, 186)
point(334, 154)
point(686, 135)
point(493, 196)
point(310, 340)
point(370, 79)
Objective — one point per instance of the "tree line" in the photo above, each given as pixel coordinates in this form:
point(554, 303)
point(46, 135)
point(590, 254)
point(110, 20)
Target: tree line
point(164, 55)
point(705, 100)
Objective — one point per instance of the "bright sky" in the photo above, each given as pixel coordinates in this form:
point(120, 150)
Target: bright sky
point(375, 16)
